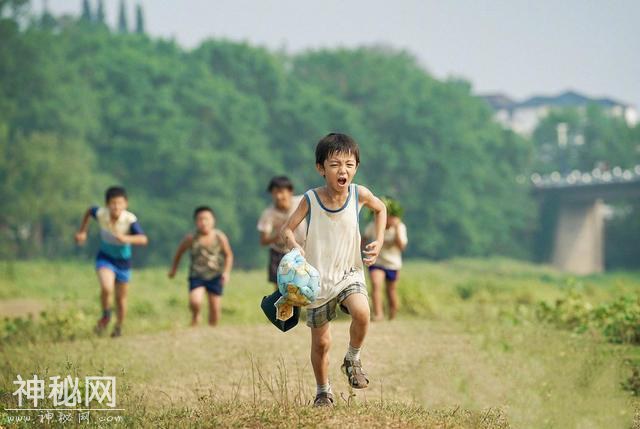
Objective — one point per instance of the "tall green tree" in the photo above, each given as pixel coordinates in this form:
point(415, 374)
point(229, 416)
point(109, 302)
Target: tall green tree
point(47, 21)
point(12, 8)
point(87, 14)
point(57, 173)
point(123, 27)
point(139, 19)
point(100, 13)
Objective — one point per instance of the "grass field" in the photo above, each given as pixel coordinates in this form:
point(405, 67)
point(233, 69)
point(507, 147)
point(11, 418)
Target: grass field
point(466, 351)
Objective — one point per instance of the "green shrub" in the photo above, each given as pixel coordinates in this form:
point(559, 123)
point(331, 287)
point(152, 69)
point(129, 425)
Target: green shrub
point(632, 383)
point(50, 326)
point(618, 321)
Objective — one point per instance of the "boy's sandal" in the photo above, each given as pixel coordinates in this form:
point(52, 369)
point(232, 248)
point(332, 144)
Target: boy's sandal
point(353, 370)
point(117, 332)
point(102, 325)
point(324, 399)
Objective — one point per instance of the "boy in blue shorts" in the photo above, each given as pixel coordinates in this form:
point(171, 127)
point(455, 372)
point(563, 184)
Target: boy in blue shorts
point(333, 246)
point(119, 230)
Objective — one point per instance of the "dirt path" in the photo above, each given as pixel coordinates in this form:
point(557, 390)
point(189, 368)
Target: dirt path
point(432, 364)
point(20, 307)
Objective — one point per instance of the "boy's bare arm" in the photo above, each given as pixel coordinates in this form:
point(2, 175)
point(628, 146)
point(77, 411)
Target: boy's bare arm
point(182, 247)
point(294, 220)
point(267, 239)
point(81, 235)
point(136, 239)
point(401, 242)
point(228, 257)
point(366, 198)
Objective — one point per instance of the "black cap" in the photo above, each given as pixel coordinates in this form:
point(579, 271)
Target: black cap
point(269, 309)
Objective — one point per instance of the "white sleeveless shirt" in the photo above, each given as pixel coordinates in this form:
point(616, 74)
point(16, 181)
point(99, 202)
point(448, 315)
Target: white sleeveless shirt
point(333, 245)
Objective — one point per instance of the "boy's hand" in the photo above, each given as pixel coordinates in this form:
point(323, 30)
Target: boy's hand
point(297, 246)
point(225, 277)
point(80, 237)
point(371, 251)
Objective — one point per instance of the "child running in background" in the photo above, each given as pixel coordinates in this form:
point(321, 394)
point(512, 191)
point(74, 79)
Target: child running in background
point(119, 229)
point(273, 219)
point(211, 262)
point(333, 247)
point(387, 267)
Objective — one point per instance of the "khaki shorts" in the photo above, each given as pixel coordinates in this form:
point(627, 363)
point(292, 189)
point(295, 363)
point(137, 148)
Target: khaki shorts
point(316, 317)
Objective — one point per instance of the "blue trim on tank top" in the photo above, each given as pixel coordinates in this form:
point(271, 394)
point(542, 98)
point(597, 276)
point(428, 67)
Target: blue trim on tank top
point(355, 187)
point(306, 197)
point(329, 210)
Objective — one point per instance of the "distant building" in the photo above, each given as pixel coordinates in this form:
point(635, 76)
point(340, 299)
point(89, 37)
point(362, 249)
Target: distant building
point(523, 117)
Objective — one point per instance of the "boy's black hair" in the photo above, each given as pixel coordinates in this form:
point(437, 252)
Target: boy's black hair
point(280, 182)
point(200, 209)
point(115, 191)
point(336, 143)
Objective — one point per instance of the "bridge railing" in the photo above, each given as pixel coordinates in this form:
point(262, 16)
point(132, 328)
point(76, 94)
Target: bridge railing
point(578, 178)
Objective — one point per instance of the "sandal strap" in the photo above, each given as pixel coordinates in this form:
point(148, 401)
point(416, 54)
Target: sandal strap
point(323, 395)
point(357, 377)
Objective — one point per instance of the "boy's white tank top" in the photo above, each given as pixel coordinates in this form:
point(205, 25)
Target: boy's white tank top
point(333, 244)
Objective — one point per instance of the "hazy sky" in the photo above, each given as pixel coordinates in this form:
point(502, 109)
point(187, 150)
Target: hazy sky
point(520, 48)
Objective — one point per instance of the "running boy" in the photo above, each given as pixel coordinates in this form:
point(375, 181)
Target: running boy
point(211, 262)
point(333, 247)
point(119, 229)
point(273, 219)
point(387, 267)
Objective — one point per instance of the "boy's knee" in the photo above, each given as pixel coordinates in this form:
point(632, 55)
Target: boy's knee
point(321, 345)
point(358, 307)
point(361, 316)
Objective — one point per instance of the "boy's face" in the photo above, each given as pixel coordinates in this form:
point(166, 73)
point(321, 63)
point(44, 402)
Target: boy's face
point(338, 170)
point(116, 206)
point(392, 221)
point(205, 221)
point(281, 198)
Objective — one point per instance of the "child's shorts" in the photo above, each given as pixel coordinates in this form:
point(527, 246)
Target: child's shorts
point(213, 286)
point(316, 317)
point(123, 275)
point(390, 275)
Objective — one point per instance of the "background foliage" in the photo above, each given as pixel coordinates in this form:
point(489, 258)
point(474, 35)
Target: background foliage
point(83, 107)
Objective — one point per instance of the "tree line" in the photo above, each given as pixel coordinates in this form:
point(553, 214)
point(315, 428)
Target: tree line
point(84, 106)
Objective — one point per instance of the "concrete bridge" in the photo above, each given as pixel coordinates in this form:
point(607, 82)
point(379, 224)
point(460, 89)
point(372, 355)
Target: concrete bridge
point(578, 240)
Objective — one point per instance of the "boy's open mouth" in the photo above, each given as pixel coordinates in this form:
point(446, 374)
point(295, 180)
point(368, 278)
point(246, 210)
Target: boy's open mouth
point(342, 181)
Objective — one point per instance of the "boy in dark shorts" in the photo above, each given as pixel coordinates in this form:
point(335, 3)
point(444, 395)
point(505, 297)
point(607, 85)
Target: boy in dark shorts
point(211, 262)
